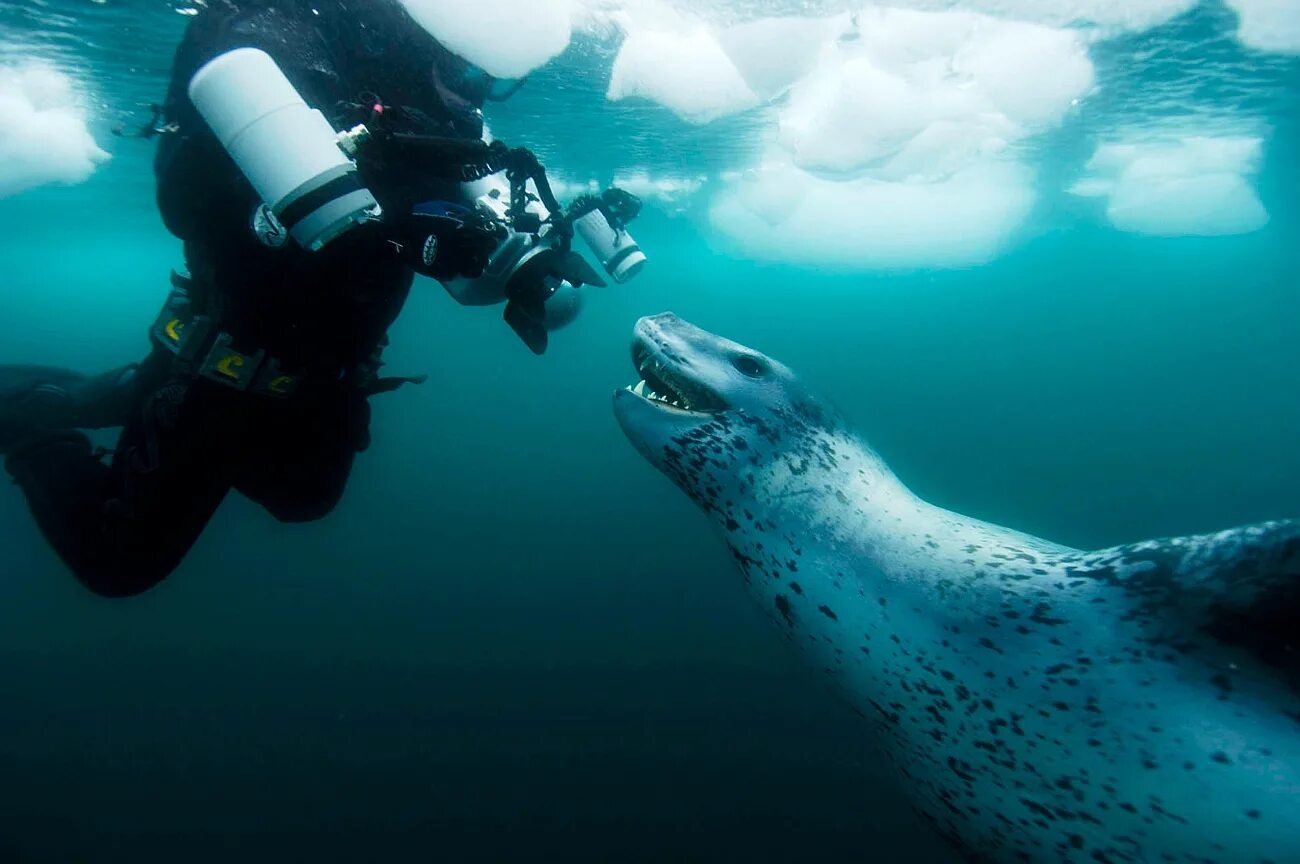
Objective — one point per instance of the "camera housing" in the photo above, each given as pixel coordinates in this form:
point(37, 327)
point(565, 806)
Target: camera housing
point(535, 273)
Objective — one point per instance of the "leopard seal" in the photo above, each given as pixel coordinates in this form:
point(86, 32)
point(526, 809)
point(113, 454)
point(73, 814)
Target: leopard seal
point(1039, 703)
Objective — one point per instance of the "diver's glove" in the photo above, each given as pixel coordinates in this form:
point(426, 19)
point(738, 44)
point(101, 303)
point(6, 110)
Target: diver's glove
point(444, 240)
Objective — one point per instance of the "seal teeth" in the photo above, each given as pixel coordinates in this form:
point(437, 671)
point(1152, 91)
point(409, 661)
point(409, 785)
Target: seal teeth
point(673, 397)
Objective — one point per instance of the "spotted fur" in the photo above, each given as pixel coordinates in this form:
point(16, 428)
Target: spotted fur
point(1040, 704)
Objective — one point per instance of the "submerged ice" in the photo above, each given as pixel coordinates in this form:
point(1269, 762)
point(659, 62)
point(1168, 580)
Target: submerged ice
point(899, 149)
point(1269, 25)
point(43, 129)
point(1179, 186)
point(505, 38)
point(908, 134)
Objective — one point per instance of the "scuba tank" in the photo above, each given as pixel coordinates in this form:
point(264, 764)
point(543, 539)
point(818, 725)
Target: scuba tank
point(288, 151)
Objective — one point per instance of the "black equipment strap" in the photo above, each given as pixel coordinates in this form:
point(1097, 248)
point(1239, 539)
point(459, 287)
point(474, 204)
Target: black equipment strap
point(344, 184)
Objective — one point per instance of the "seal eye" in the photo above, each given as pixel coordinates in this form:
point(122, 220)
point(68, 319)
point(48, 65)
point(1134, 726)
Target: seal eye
point(747, 365)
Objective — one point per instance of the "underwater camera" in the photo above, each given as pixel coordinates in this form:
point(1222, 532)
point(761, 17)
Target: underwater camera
point(534, 269)
point(304, 172)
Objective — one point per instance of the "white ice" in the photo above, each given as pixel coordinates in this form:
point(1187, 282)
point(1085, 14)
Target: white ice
point(772, 54)
point(1176, 186)
point(43, 130)
point(1109, 16)
point(1269, 25)
point(891, 135)
point(687, 72)
point(505, 38)
point(702, 71)
point(781, 213)
point(668, 193)
point(925, 93)
point(902, 148)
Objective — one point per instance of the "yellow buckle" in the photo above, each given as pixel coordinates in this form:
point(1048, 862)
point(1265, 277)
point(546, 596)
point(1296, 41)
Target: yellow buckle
point(227, 366)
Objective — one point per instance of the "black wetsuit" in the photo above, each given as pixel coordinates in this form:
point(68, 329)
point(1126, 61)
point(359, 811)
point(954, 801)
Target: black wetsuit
point(124, 526)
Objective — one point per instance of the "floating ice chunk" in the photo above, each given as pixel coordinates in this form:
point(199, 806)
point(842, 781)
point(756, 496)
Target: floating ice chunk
point(687, 72)
point(43, 132)
point(849, 114)
point(667, 190)
point(1180, 186)
point(1110, 16)
point(566, 190)
point(771, 54)
point(901, 142)
point(1031, 74)
point(785, 214)
point(673, 194)
point(505, 38)
point(944, 88)
point(1269, 25)
point(947, 146)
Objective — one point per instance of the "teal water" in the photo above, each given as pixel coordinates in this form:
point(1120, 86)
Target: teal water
point(514, 640)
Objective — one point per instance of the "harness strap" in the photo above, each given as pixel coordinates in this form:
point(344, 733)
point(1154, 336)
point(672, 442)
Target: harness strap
point(201, 350)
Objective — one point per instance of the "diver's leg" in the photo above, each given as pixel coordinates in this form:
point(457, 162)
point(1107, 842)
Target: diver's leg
point(38, 399)
point(122, 528)
point(301, 468)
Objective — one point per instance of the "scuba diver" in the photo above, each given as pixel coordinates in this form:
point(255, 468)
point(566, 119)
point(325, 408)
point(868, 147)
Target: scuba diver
point(300, 254)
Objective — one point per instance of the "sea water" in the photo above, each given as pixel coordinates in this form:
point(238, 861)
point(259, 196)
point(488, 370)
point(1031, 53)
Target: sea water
point(1042, 254)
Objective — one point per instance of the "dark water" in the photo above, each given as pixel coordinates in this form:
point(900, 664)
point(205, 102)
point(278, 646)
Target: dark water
point(514, 641)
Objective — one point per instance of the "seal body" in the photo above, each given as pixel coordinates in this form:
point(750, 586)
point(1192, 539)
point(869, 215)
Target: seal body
point(1040, 704)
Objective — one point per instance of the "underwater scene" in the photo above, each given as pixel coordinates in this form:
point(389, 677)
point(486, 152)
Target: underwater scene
point(960, 291)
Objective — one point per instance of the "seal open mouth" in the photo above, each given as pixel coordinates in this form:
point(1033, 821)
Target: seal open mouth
point(664, 383)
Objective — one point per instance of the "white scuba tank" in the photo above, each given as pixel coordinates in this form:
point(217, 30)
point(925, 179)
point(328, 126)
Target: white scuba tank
point(288, 151)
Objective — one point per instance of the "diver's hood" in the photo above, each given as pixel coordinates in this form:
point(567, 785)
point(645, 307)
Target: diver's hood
point(468, 82)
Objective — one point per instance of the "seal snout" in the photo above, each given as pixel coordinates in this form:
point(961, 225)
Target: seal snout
point(667, 326)
point(665, 319)
point(662, 355)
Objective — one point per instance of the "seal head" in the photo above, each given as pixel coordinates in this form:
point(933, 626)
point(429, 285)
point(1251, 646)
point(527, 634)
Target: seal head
point(706, 404)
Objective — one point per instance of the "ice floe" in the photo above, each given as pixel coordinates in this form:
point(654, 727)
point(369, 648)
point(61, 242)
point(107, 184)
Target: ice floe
point(901, 148)
point(781, 213)
point(897, 134)
point(1176, 186)
point(918, 94)
point(1269, 25)
point(1108, 16)
point(44, 137)
point(505, 38)
point(687, 72)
